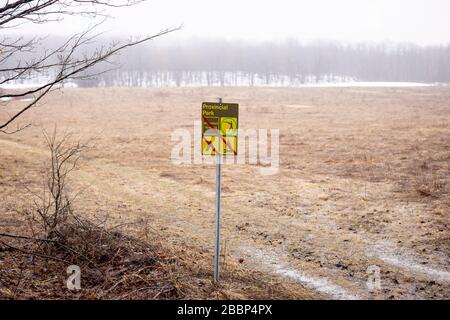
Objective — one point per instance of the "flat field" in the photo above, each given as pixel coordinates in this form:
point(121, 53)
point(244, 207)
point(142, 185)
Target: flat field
point(362, 188)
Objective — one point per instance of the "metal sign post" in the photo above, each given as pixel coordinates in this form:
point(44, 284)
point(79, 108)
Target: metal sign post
point(219, 139)
point(218, 189)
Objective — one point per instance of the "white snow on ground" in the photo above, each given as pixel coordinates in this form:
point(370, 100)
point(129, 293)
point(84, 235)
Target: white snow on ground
point(295, 106)
point(407, 262)
point(366, 85)
point(322, 285)
point(242, 82)
point(19, 86)
point(30, 85)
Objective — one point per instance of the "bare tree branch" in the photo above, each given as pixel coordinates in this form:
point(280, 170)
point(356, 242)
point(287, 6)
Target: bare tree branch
point(66, 62)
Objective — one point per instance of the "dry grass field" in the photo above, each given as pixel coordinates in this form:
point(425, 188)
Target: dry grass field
point(364, 180)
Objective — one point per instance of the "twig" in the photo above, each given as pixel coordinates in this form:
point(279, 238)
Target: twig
point(33, 253)
point(26, 238)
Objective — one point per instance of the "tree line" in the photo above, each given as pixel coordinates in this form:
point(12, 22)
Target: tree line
point(288, 63)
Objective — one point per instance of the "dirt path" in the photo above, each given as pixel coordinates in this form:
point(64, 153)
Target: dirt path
point(311, 250)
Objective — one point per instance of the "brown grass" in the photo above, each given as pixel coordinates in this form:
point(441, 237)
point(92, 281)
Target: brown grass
point(350, 176)
point(117, 266)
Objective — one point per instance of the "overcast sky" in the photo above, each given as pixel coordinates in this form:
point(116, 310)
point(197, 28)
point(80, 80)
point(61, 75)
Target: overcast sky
point(418, 21)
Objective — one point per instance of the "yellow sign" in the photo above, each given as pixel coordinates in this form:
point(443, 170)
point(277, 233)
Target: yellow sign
point(219, 128)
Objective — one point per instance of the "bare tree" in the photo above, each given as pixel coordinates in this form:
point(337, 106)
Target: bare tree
point(63, 63)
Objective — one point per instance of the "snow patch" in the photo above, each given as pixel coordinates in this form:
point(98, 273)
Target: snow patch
point(362, 84)
point(407, 262)
point(322, 285)
point(32, 85)
point(298, 106)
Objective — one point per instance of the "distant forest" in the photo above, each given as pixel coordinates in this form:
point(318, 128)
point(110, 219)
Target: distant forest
point(288, 63)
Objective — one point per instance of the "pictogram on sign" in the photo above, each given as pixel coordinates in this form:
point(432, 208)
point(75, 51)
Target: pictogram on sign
point(219, 128)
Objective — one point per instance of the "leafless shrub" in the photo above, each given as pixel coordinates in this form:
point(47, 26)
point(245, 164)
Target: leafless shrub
point(53, 204)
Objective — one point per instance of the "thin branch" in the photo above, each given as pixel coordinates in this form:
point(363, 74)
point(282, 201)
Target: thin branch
point(68, 72)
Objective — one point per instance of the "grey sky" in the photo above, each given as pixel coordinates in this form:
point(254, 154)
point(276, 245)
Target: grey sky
point(418, 21)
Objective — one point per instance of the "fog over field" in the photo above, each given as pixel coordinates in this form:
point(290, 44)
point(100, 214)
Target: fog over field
point(238, 63)
point(257, 44)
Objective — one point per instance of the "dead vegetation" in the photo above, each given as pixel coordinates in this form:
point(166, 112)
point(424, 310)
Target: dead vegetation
point(115, 265)
point(429, 182)
point(112, 265)
point(50, 237)
point(349, 177)
point(54, 237)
